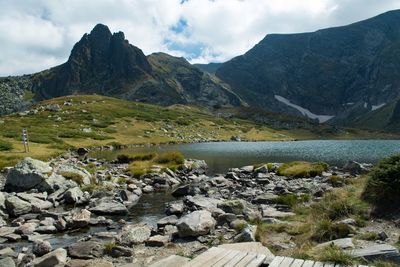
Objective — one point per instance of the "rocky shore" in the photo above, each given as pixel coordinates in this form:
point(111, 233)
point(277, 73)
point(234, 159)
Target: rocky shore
point(46, 209)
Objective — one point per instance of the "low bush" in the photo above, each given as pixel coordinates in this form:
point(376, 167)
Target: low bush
point(298, 169)
point(170, 157)
point(327, 230)
point(334, 254)
point(76, 177)
point(292, 199)
point(383, 185)
point(5, 145)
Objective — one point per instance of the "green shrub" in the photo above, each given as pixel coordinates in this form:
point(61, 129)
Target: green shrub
point(370, 236)
point(297, 169)
point(292, 199)
point(5, 145)
point(121, 181)
point(138, 172)
point(383, 185)
point(170, 157)
point(128, 158)
point(337, 181)
point(327, 230)
point(336, 255)
point(340, 204)
point(76, 177)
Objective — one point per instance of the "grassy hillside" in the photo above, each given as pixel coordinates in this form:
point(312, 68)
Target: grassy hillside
point(86, 121)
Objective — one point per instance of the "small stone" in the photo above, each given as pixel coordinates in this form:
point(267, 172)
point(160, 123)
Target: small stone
point(41, 247)
point(158, 241)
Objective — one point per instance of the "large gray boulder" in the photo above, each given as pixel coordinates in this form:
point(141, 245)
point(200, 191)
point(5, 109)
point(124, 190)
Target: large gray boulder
point(35, 174)
point(74, 195)
point(134, 234)
point(86, 250)
point(79, 219)
point(7, 262)
point(37, 203)
point(58, 256)
point(108, 206)
point(72, 169)
point(195, 224)
point(16, 206)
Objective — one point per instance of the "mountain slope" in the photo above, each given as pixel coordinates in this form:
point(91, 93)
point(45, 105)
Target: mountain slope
point(106, 64)
point(342, 72)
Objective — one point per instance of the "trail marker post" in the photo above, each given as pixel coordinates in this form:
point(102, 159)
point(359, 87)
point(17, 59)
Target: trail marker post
point(25, 140)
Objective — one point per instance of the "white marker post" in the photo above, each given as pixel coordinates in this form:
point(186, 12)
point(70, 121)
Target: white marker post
point(25, 140)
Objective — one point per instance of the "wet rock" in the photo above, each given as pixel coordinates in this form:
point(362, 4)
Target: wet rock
point(173, 219)
point(58, 256)
point(148, 189)
point(109, 207)
point(26, 228)
point(134, 234)
point(86, 250)
point(158, 241)
point(79, 219)
point(195, 224)
point(357, 168)
point(201, 202)
point(41, 247)
point(184, 190)
point(175, 208)
point(16, 206)
point(6, 252)
point(120, 251)
point(74, 195)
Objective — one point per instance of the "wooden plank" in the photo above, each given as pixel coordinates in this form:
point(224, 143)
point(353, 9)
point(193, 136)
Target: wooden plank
point(171, 261)
point(308, 263)
point(286, 262)
point(257, 261)
point(297, 263)
point(227, 258)
point(246, 260)
point(208, 258)
point(328, 264)
point(318, 264)
point(277, 261)
point(237, 258)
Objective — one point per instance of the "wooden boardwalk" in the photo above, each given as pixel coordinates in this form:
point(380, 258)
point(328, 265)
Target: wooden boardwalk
point(290, 262)
point(218, 257)
point(250, 254)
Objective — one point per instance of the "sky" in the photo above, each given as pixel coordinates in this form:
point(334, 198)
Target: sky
point(39, 34)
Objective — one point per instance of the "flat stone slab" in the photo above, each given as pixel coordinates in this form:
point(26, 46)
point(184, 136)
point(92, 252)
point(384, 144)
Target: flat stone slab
point(271, 212)
point(343, 243)
point(378, 252)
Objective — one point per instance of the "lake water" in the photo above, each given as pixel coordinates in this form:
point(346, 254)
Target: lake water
point(220, 156)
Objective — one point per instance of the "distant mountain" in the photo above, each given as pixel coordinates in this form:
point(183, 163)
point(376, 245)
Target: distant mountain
point(106, 64)
point(340, 74)
point(210, 67)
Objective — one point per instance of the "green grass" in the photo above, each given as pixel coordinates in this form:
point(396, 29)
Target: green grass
point(292, 200)
point(298, 169)
point(5, 145)
point(370, 236)
point(327, 230)
point(336, 255)
point(170, 158)
point(76, 177)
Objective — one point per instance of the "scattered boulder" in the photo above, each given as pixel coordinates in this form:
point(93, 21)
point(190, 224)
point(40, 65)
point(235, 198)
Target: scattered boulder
point(41, 247)
point(232, 206)
point(35, 174)
point(74, 195)
point(158, 241)
point(79, 219)
point(172, 220)
point(343, 243)
point(54, 258)
point(134, 234)
point(16, 206)
point(109, 207)
point(195, 224)
point(86, 250)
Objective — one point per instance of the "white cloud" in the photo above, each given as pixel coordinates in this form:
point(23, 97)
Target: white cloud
point(38, 34)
